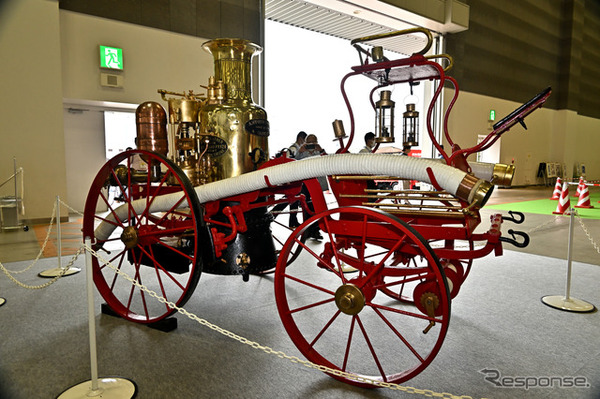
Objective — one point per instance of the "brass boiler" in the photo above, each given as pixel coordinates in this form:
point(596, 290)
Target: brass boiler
point(234, 131)
point(234, 140)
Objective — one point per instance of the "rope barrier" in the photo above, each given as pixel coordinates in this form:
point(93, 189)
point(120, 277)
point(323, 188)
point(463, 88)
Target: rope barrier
point(558, 218)
point(73, 210)
point(62, 272)
point(39, 255)
point(243, 340)
point(587, 233)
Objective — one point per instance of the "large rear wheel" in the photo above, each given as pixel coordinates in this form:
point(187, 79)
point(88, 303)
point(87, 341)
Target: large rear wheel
point(343, 321)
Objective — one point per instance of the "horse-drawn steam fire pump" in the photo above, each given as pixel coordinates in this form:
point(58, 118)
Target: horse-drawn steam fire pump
point(372, 299)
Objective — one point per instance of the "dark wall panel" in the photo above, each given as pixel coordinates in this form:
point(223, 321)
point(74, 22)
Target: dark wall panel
point(514, 48)
point(202, 18)
point(232, 18)
point(208, 19)
point(589, 84)
point(120, 10)
point(183, 16)
point(252, 12)
point(156, 14)
point(511, 49)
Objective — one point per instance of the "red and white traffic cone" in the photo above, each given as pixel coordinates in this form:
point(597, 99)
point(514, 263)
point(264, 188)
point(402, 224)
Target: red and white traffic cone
point(557, 189)
point(584, 198)
point(564, 203)
point(579, 186)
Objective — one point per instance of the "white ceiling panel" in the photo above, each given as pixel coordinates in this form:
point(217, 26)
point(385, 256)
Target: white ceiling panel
point(351, 19)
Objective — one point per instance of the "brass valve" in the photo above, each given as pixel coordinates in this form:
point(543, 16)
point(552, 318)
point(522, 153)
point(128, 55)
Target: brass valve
point(430, 301)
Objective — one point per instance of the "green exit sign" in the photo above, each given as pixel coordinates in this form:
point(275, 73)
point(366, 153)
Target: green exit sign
point(492, 114)
point(111, 57)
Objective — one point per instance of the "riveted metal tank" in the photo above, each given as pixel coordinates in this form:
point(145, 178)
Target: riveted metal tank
point(151, 125)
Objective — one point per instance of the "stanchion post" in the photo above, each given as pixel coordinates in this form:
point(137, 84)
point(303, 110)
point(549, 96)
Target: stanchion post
point(565, 302)
point(108, 387)
point(91, 319)
point(570, 254)
point(58, 233)
point(50, 273)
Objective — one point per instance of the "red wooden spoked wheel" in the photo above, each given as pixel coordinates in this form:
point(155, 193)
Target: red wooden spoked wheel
point(343, 321)
point(153, 240)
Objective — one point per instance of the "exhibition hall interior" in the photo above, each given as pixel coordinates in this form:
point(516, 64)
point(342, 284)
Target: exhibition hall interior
point(299, 199)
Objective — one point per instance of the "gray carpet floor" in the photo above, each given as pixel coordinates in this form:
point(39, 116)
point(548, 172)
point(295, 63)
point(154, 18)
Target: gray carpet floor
point(498, 324)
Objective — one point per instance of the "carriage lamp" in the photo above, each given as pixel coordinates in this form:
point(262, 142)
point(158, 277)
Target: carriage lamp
point(338, 130)
point(377, 54)
point(384, 118)
point(411, 126)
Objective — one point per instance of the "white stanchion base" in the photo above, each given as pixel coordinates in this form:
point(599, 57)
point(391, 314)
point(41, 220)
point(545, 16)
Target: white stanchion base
point(51, 273)
point(2, 301)
point(108, 387)
point(570, 305)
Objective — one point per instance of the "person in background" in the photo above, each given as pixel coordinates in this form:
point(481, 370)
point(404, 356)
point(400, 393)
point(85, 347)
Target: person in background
point(369, 143)
point(293, 151)
point(368, 149)
point(405, 150)
point(312, 148)
point(300, 139)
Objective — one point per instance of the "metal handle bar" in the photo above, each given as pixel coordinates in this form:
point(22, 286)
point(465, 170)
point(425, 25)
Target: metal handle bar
point(514, 241)
point(14, 175)
point(446, 56)
point(511, 218)
point(424, 31)
point(188, 96)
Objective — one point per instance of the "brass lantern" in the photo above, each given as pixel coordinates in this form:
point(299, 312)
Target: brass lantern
point(384, 118)
point(410, 131)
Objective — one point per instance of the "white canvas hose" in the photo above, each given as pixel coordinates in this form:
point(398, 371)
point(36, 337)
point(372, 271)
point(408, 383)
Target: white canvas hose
point(452, 180)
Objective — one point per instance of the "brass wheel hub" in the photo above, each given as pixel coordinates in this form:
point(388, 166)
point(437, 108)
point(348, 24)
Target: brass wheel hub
point(129, 237)
point(349, 299)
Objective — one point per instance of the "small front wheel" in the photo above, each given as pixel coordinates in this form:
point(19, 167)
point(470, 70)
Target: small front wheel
point(146, 223)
